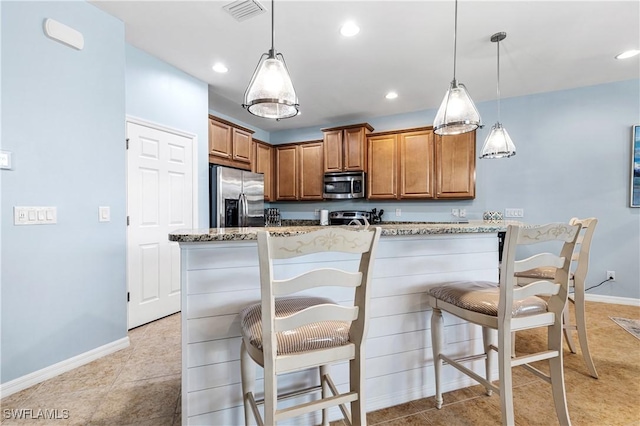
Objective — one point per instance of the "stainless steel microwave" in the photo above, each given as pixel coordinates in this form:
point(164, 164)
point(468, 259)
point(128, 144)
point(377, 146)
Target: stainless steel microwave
point(343, 185)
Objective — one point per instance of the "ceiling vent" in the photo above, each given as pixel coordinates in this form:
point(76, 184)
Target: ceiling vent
point(244, 9)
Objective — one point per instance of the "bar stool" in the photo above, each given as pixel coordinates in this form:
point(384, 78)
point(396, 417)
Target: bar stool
point(506, 308)
point(580, 267)
point(284, 334)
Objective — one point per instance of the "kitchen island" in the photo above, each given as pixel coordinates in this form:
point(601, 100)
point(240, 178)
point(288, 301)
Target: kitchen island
point(219, 275)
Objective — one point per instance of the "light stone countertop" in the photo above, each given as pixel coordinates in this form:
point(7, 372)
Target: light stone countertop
point(388, 229)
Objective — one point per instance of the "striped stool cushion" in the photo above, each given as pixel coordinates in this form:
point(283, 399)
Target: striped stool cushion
point(320, 335)
point(547, 273)
point(483, 297)
point(544, 273)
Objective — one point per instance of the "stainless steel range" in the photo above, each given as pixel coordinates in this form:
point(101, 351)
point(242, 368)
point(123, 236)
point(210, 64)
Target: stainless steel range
point(344, 217)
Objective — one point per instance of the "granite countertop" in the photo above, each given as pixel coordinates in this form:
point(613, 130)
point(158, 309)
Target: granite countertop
point(388, 229)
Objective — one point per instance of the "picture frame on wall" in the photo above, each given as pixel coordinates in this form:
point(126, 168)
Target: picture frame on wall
point(635, 167)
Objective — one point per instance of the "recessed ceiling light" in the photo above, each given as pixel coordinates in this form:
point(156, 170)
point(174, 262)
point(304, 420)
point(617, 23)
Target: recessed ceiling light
point(391, 95)
point(628, 54)
point(349, 29)
point(220, 67)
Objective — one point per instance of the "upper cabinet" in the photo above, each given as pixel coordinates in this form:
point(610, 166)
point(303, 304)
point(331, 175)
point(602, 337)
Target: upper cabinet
point(263, 162)
point(345, 148)
point(416, 164)
point(416, 157)
point(456, 166)
point(383, 166)
point(286, 173)
point(299, 174)
point(400, 164)
point(229, 144)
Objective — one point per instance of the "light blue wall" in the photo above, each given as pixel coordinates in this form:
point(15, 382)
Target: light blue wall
point(161, 93)
point(573, 159)
point(63, 286)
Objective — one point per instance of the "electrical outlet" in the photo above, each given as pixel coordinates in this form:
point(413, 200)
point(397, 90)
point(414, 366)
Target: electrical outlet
point(463, 213)
point(398, 212)
point(455, 212)
point(611, 275)
point(316, 212)
point(513, 213)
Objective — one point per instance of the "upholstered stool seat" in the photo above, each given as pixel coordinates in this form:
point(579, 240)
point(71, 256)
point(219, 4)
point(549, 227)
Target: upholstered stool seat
point(544, 273)
point(483, 297)
point(503, 308)
point(309, 337)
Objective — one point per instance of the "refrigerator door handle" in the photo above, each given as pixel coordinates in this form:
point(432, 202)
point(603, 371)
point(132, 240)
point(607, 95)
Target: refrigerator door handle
point(243, 210)
point(240, 211)
point(246, 210)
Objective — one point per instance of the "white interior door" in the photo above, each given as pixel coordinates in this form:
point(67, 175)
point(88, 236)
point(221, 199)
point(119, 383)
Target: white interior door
point(160, 199)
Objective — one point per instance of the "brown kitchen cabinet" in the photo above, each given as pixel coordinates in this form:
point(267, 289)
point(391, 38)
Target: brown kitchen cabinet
point(455, 158)
point(286, 172)
point(263, 162)
point(299, 174)
point(400, 164)
point(345, 148)
point(382, 177)
point(229, 144)
point(416, 158)
point(310, 171)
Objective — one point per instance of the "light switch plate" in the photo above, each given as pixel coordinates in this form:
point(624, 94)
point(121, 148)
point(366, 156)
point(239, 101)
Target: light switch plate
point(35, 215)
point(512, 213)
point(5, 160)
point(104, 214)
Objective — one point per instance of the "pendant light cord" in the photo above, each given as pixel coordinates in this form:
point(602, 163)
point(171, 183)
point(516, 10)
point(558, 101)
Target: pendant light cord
point(498, 84)
point(455, 34)
point(273, 28)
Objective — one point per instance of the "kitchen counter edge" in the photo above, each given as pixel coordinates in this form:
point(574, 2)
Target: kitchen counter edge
point(244, 234)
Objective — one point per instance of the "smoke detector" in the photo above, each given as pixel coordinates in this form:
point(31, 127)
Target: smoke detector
point(241, 10)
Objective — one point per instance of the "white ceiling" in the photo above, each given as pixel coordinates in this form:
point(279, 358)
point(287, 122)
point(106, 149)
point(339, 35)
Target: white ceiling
point(405, 46)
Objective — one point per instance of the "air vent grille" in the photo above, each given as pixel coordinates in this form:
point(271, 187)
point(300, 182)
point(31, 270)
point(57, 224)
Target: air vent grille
point(244, 9)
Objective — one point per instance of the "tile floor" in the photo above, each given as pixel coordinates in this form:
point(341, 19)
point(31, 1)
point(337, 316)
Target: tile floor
point(140, 385)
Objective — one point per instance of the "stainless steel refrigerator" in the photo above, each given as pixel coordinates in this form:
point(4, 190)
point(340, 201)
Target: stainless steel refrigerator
point(236, 197)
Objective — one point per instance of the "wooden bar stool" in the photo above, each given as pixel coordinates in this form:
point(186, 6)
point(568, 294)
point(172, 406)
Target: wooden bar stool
point(580, 267)
point(284, 334)
point(506, 308)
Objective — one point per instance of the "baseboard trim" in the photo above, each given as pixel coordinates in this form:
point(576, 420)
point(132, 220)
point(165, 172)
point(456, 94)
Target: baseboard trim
point(28, 380)
point(612, 299)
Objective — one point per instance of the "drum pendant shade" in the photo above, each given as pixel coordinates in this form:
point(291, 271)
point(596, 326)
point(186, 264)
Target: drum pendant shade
point(498, 144)
point(270, 93)
point(457, 113)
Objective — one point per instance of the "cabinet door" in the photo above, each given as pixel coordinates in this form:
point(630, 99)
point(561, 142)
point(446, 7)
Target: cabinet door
point(241, 146)
point(456, 166)
point(416, 164)
point(286, 173)
point(382, 166)
point(263, 163)
point(219, 139)
point(310, 171)
point(333, 151)
point(355, 149)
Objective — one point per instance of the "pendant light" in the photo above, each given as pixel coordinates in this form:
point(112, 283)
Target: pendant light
point(498, 144)
point(270, 93)
point(457, 113)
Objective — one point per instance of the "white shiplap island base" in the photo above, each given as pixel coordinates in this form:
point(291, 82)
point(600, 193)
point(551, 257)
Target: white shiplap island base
point(219, 273)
